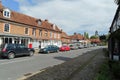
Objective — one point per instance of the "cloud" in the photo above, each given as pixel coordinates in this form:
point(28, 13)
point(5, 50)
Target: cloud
point(73, 15)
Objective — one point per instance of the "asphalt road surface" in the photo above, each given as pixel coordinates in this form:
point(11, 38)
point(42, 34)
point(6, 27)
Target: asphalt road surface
point(16, 68)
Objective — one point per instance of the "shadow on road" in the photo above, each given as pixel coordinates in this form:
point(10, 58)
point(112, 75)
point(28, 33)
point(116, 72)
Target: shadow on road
point(63, 58)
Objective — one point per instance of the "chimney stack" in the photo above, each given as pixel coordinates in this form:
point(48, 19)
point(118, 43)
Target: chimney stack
point(46, 20)
point(0, 3)
point(75, 33)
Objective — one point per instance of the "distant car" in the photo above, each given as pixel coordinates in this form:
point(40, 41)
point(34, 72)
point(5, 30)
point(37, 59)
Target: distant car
point(81, 46)
point(65, 48)
point(73, 47)
point(12, 50)
point(49, 48)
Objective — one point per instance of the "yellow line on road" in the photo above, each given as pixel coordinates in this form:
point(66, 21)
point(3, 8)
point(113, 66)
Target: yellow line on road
point(30, 74)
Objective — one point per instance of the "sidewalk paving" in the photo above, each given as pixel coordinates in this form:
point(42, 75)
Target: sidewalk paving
point(83, 67)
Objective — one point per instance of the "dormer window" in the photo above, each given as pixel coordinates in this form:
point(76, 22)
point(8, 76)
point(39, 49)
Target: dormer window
point(39, 21)
point(54, 26)
point(6, 13)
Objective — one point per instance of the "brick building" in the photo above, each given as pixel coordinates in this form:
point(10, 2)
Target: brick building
point(79, 40)
point(114, 39)
point(65, 39)
point(23, 29)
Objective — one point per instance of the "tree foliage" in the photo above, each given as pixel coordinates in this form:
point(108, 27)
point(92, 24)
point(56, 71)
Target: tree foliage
point(86, 35)
point(104, 37)
point(94, 37)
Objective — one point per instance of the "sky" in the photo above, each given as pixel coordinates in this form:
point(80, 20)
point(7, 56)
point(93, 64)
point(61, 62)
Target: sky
point(70, 15)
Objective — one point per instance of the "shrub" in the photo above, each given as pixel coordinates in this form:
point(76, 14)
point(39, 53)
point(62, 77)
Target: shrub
point(115, 68)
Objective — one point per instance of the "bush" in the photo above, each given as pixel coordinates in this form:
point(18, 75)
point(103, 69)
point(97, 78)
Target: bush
point(115, 68)
point(104, 73)
point(106, 52)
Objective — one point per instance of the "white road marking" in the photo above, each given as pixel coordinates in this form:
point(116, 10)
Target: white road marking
point(16, 61)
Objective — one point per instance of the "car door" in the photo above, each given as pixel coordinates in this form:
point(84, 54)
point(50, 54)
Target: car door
point(50, 49)
point(55, 48)
point(18, 49)
point(24, 49)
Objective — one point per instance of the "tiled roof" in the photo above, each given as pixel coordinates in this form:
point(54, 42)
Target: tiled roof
point(47, 25)
point(77, 36)
point(28, 20)
point(95, 40)
point(64, 35)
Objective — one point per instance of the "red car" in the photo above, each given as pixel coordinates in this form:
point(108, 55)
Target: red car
point(65, 48)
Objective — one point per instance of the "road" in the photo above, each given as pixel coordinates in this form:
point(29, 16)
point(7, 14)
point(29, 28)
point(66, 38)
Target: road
point(18, 67)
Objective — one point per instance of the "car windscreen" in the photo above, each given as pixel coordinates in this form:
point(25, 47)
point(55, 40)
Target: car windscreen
point(71, 45)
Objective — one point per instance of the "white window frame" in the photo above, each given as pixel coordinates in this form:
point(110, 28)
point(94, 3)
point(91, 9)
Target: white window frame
point(9, 28)
point(54, 35)
point(34, 31)
point(39, 22)
point(8, 13)
point(27, 31)
point(40, 32)
point(46, 33)
point(58, 36)
point(51, 34)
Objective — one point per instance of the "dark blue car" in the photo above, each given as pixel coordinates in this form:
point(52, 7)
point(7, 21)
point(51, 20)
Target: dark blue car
point(49, 48)
point(12, 50)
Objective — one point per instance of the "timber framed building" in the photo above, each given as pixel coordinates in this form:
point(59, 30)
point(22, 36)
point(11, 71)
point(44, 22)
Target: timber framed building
point(114, 39)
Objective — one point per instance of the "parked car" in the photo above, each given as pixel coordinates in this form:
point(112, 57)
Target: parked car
point(73, 47)
point(65, 48)
point(12, 50)
point(81, 46)
point(49, 48)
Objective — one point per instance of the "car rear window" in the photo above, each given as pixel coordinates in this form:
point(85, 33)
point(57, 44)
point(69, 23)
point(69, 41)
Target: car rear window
point(71, 45)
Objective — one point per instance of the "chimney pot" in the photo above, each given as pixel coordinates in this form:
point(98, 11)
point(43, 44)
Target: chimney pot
point(75, 33)
point(46, 20)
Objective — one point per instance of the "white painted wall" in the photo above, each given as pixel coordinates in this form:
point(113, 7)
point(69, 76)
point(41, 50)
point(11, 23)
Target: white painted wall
point(0, 41)
point(51, 42)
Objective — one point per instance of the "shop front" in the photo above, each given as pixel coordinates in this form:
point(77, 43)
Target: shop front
point(17, 39)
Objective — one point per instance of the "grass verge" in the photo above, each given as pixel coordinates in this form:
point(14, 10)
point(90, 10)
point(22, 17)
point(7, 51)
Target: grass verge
point(104, 72)
point(109, 70)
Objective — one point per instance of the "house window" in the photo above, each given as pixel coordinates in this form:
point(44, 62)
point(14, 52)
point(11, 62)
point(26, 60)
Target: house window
point(54, 35)
point(34, 31)
point(46, 33)
point(6, 13)
point(40, 32)
point(26, 30)
point(58, 36)
point(50, 34)
point(39, 23)
point(7, 27)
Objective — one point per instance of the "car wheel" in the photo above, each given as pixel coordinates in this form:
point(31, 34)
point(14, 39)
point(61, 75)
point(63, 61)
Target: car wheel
point(48, 51)
point(31, 53)
point(57, 51)
point(11, 55)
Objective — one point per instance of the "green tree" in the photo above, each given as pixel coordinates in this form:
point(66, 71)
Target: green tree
point(94, 37)
point(103, 37)
point(86, 35)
